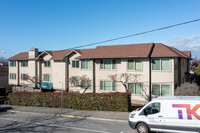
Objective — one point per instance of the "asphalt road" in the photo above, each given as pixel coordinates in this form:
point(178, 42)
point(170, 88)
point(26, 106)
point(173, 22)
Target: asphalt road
point(32, 123)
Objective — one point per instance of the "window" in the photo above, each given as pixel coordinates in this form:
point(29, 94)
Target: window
point(12, 75)
point(107, 85)
point(151, 109)
point(160, 90)
point(12, 63)
point(75, 64)
point(25, 88)
point(24, 76)
point(107, 64)
point(85, 64)
point(47, 64)
point(135, 64)
point(161, 64)
point(75, 80)
point(47, 78)
point(135, 88)
point(87, 83)
point(24, 63)
point(16, 88)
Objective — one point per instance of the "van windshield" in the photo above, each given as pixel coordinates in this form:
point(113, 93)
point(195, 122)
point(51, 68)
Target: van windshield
point(152, 108)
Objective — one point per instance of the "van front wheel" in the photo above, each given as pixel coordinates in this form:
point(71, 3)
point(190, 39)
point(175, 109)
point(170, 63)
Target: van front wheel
point(142, 128)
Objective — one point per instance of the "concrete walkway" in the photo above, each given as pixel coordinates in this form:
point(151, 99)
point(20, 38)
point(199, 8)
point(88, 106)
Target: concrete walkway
point(92, 115)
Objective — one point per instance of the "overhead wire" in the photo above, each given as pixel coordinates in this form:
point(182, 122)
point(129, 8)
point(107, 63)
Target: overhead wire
point(141, 33)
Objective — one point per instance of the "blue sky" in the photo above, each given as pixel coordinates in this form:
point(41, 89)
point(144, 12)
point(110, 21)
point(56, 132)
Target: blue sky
point(62, 24)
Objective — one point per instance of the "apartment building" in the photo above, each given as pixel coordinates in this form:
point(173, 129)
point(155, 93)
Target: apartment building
point(160, 68)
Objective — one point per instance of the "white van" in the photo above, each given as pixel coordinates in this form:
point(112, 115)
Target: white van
point(179, 114)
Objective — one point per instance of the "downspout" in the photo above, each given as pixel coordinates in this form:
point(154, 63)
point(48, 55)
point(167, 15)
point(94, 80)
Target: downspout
point(149, 56)
point(94, 77)
point(18, 73)
point(67, 74)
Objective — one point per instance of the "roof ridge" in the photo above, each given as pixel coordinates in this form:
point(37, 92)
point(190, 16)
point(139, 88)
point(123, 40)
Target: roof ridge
point(180, 52)
point(126, 44)
point(172, 50)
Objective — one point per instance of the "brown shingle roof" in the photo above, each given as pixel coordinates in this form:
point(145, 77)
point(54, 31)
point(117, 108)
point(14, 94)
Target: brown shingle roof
point(119, 51)
point(20, 56)
point(116, 51)
point(188, 53)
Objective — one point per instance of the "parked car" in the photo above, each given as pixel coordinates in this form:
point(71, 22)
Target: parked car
point(168, 114)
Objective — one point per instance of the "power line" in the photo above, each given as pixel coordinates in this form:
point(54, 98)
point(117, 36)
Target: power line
point(118, 38)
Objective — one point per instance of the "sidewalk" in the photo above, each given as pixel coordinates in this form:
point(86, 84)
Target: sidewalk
point(92, 115)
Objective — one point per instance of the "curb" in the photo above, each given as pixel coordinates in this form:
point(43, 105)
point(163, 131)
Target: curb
point(72, 116)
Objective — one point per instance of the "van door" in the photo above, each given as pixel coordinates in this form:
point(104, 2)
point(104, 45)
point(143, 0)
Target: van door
point(154, 113)
point(178, 116)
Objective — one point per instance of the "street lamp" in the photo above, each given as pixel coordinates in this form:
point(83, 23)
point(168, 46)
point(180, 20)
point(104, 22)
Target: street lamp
point(61, 100)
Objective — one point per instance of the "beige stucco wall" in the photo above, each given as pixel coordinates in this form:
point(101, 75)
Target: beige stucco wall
point(58, 75)
point(79, 72)
point(13, 70)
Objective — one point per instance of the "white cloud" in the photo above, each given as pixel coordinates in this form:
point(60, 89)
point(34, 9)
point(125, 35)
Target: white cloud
point(191, 43)
point(2, 51)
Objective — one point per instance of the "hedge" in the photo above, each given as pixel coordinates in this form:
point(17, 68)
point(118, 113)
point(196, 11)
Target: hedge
point(88, 101)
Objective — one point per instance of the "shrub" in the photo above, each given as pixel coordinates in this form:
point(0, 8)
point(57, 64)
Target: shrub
point(88, 101)
point(188, 89)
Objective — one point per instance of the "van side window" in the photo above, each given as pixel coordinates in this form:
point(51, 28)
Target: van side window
point(151, 109)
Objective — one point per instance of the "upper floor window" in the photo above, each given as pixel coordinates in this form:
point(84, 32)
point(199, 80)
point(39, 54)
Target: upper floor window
point(47, 64)
point(135, 64)
point(85, 64)
point(161, 64)
point(24, 63)
point(107, 85)
point(47, 78)
point(108, 64)
point(12, 75)
point(24, 76)
point(75, 64)
point(160, 90)
point(135, 88)
point(12, 63)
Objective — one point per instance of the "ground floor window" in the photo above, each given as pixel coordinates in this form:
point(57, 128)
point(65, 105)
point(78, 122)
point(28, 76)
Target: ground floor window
point(107, 85)
point(135, 88)
point(160, 90)
point(86, 84)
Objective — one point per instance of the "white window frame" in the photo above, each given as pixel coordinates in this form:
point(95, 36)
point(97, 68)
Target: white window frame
point(111, 85)
point(89, 68)
point(48, 64)
point(161, 64)
point(111, 64)
point(44, 80)
point(135, 88)
point(135, 65)
point(12, 76)
point(23, 75)
point(12, 64)
point(76, 64)
point(26, 65)
point(160, 89)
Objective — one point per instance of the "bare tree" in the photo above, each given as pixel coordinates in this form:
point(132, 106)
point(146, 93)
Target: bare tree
point(194, 64)
point(188, 89)
point(126, 78)
point(34, 81)
point(3, 61)
point(82, 82)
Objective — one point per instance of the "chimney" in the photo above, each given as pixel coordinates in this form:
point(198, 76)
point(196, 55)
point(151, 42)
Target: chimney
point(33, 52)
